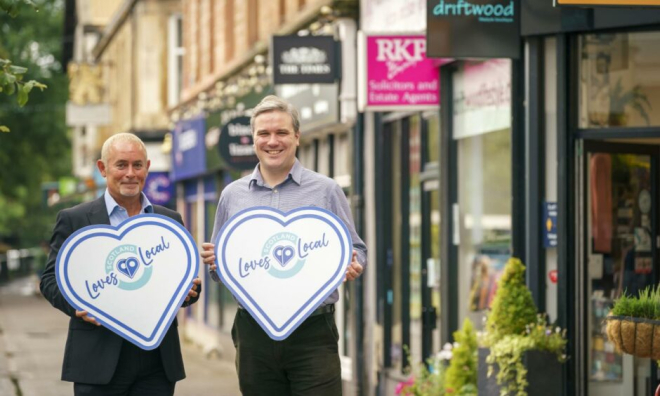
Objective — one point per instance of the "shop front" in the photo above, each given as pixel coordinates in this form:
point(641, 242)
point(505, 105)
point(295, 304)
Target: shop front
point(592, 92)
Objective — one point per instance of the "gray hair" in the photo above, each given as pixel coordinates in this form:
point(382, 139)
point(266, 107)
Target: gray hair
point(274, 103)
point(120, 137)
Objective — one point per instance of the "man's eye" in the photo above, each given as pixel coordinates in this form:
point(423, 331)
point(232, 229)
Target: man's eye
point(121, 166)
point(137, 166)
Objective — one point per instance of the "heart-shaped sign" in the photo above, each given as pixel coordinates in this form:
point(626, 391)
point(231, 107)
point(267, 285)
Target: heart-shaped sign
point(132, 278)
point(282, 266)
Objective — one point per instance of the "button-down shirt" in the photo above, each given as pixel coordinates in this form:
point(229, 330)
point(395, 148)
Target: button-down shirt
point(302, 187)
point(118, 213)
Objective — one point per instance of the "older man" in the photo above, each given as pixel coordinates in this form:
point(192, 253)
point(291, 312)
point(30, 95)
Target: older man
point(307, 362)
point(96, 360)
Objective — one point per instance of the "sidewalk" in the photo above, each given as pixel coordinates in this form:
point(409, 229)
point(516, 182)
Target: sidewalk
point(32, 337)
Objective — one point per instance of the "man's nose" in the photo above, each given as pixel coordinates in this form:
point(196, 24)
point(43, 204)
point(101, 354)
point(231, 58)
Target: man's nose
point(272, 139)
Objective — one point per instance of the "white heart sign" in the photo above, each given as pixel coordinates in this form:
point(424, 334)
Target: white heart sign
point(282, 266)
point(132, 278)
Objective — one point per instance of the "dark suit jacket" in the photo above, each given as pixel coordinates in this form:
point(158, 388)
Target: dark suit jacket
point(92, 352)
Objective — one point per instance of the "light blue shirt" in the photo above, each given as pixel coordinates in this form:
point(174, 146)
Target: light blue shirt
point(118, 214)
point(302, 187)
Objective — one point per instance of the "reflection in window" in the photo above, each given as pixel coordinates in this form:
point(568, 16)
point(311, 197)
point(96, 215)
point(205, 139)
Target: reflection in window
point(619, 84)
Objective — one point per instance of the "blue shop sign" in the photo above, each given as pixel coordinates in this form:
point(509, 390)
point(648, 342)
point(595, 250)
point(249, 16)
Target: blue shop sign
point(159, 188)
point(550, 224)
point(188, 149)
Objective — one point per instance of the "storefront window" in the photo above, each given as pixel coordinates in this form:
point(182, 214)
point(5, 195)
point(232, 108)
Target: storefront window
point(482, 122)
point(618, 80)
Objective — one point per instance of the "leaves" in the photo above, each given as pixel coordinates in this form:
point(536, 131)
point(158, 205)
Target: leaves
point(38, 149)
point(13, 7)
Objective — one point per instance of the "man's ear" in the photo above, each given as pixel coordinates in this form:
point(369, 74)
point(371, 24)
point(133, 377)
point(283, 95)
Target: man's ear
point(101, 166)
point(148, 165)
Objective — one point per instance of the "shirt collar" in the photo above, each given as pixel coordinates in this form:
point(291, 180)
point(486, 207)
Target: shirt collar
point(111, 204)
point(295, 174)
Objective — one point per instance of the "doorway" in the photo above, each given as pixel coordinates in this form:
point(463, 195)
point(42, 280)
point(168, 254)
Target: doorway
point(619, 196)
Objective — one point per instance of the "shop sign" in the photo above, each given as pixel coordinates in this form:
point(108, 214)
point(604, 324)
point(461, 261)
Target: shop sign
point(392, 15)
point(305, 60)
point(316, 104)
point(236, 144)
point(553, 276)
point(473, 28)
point(550, 224)
point(621, 3)
point(482, 98)
point(188, 150)
point(399, 76)
point(159, 188)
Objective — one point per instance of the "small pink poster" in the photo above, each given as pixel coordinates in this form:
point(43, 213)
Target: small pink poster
point(398, 74)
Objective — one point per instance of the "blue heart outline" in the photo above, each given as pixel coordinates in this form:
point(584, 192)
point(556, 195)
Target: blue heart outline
point(115, 324)
point(292, 218)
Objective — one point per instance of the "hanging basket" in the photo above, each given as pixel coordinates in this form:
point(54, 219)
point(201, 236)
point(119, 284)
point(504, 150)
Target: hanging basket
point(635, 336)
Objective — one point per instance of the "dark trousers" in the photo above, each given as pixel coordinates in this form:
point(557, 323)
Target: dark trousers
point(306, 363)
point(138, 373)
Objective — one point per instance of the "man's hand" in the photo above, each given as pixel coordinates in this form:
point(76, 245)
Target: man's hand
point(208, 255)
point(84, 316)
point(192, 293)
point(354, 269)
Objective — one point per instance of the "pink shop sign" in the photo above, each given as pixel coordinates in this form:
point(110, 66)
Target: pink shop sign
point(398, 76)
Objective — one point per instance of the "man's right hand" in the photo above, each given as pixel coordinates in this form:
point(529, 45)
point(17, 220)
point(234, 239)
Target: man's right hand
point(208, 255)
point(84, 316)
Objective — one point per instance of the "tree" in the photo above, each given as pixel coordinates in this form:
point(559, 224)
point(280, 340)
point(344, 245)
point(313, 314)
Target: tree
point(11, 76)
point(39, 151)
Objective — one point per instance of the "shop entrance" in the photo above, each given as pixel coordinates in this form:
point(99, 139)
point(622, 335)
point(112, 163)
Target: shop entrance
point(620, 231)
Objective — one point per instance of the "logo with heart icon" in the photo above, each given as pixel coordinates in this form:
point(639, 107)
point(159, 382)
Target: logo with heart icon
point(132, 278)
point(282, 266)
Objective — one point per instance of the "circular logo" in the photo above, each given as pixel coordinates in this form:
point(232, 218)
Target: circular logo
point(132, 275)
point(282, 248)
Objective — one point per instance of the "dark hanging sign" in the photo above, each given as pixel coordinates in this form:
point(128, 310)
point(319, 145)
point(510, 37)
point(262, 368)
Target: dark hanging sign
point(236, 144)
point(305, 60)
point(473, 29)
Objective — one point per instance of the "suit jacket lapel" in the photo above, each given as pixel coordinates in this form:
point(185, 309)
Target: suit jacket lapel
point(98, 214)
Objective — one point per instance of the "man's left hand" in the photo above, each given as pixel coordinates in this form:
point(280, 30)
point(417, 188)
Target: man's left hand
point(192, 293)
point(354, 269)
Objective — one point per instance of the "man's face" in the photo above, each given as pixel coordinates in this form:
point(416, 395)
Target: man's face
point(275, 141)
point(126, 170)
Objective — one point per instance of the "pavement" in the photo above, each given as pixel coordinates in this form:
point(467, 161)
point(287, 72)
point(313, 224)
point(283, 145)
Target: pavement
point(32, 338)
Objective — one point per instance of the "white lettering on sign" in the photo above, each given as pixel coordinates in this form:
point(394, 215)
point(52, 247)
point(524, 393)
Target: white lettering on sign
point(187, 140)
point(239, 130)
point(398, 50)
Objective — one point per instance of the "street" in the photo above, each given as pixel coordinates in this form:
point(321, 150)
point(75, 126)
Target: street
point(32, 338)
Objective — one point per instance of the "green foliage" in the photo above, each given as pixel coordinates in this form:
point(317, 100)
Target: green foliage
point(513, 306)
point(513, 328)
point(40, 151)
point(12, 7)
point(425, 380)
point(508, 353)
point(11, 77)
point(646, 305)
point(462, 372)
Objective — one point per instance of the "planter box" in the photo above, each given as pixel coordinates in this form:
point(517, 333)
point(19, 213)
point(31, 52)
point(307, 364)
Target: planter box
point(543, 374)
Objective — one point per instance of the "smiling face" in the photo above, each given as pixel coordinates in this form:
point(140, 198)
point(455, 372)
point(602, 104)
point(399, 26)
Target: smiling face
point(125, 170)
point(275, 143)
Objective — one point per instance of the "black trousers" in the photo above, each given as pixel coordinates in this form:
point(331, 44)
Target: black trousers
point(306, 363)
point(138, 373)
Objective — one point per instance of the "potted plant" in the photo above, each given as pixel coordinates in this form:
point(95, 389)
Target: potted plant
point(633, 325)
point(519, 342)
point(435, 378)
